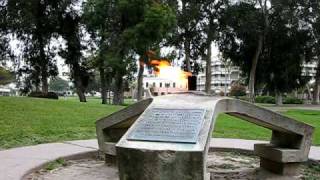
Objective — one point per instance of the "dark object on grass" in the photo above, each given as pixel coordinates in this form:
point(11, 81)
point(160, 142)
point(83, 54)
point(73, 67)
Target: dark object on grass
point(49, 95)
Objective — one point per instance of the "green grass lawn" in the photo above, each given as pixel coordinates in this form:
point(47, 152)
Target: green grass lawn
point(232, 127)
point(28, 121)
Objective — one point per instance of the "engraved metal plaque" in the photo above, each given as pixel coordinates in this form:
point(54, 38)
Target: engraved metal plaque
point(169, 125)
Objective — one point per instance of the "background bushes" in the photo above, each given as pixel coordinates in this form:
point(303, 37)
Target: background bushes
point(49, 95)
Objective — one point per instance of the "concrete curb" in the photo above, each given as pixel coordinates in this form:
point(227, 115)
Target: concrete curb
point(16, 163)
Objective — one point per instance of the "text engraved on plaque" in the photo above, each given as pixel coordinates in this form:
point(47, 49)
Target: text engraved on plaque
point(169, 125)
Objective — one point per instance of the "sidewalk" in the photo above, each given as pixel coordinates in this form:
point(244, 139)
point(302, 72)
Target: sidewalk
point(15, 163)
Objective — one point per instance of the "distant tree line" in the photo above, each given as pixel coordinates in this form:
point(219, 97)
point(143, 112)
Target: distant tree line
point(268, 40)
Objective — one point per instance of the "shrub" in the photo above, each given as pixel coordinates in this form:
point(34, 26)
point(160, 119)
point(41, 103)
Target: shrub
point(221, 93)
point(265, 99)
point(271, 100)
point(238, 90)
point(49, 95)
point(243, 98)
point(292, 100)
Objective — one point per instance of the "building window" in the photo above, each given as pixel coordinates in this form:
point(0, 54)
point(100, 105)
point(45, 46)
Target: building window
point(174, 85)
point(167, 85)
point(147, 84)
point(154, 84)
point(161, 85)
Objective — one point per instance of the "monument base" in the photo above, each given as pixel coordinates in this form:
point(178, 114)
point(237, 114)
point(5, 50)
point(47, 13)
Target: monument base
point(285, 169)
point(267, 175)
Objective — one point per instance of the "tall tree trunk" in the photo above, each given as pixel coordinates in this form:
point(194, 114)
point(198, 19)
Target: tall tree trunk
point(279, 100)
point(103, 86)
point(309, 93)
point(187, 54)
point(44, 67)
point(118, 90)
point(208, 70)
point(80, 89)
point(252, 77)
point(44, 80)
point(140, 79)
point(316, 89)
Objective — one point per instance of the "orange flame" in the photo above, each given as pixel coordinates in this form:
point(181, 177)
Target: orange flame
point(163, 69)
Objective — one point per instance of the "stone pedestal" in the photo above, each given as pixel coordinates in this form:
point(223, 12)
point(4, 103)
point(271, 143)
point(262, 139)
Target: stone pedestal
point(176, 150)
point(179, 150)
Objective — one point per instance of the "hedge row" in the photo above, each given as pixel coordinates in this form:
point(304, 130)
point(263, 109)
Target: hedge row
point(271, 100)
point(49, 95)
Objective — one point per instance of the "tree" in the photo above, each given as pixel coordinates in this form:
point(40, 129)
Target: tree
point(70, 30)
point(4, 40)
point(280, 37)
point(211, 12)
point(187, 33)
point(147, 24)
point(241, 39)
point(6, 76)
point(125, 28)
point(58, 85)
point(311, 15)
point(283, 59)
point(245, 26)
point(34, 23)
point(101, 19)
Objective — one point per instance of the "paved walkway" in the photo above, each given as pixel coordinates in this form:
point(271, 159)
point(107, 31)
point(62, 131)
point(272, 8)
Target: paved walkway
point(15, 163)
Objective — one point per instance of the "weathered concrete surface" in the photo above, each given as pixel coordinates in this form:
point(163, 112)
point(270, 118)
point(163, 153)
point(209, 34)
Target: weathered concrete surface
point(155, 160)
point(111, 128)
point(289, 137)
point(13, 165)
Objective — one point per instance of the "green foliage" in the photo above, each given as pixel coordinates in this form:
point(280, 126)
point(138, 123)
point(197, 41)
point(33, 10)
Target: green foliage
point(292, 100)
point(6, 76)
point(56, 164)
point(59, 85)
point(34, 23)
point(271, 100)
point(284, 46)
point(265, 99)
point(147, 23)
point(187, 37)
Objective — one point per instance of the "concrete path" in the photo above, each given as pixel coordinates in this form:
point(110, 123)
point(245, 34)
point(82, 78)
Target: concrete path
point(15, 163)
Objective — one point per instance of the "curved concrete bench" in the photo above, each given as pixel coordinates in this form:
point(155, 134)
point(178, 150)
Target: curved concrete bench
point(139, 159)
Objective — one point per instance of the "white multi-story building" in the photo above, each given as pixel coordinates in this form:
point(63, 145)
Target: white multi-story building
point(310, 70)
point(222, 76)
point(163, 86)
